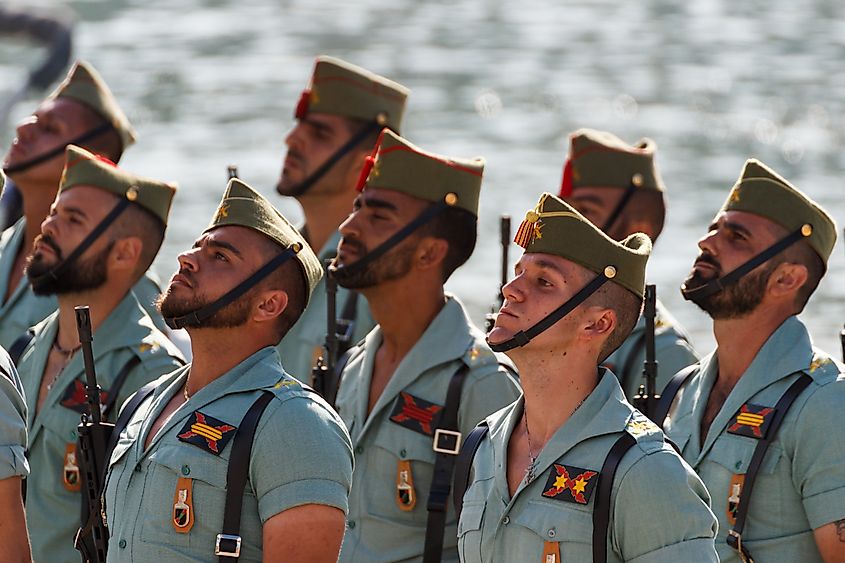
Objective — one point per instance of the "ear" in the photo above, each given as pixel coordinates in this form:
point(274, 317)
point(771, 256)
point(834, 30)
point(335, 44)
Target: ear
point(270, 304)
point(431, 252)
point(599, 323)
point(787, 279)
point(126, 253)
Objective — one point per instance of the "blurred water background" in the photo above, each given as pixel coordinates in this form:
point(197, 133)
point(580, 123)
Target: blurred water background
point(213, 82)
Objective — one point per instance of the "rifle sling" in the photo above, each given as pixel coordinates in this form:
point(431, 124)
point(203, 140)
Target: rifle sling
point(463, 466)
point(667, 396)
point(18, 347)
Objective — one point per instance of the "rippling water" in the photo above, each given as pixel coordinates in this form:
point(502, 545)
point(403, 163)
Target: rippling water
point(208, 83)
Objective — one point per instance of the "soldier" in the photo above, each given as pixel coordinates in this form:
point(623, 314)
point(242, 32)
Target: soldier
point(81, 111)
point(339, 117)
point(424, 375)
point(176, 486)
point(760, 261)
point(618, 187)
point(550, 455)
point(103, 232)
point(13, 464)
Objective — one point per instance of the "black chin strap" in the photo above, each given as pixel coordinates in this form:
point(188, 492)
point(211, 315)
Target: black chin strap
point(196, 318)
point(522, 338)
point(617, 211)
point(87, 136)
point(359, 266)
point(717, 285)
point(65, 264)
point(353, 142)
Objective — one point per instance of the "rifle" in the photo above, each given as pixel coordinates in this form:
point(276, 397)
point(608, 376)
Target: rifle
point(94, 434)
point(842, 342)
point(505, 242)
point(647, 398)
point(232, 171)
point(324, 379)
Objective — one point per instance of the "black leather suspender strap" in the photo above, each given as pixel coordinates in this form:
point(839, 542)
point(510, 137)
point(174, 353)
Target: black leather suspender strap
point(601, 508)
point(734, 539)
point(463, 466)
point(447, 444)
point(667, 396)
point(124, 417)
point(19, 345)
point(228, 544)
point(117, 385)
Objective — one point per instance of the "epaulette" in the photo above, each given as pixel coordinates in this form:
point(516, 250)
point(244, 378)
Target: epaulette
point(476, 356)
point(823, 367)
point(648, 435)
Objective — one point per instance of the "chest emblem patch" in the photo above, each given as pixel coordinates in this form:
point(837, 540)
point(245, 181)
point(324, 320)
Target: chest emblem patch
point(570, 484)
point(206, 432)
point(751, 421)
point(415, 414)
point(74, 397)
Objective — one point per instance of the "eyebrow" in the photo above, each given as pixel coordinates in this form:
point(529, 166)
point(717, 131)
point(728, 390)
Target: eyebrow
point(226, 245)
point(543, 265)
point(587, 198)
point(74, 211)
point(732, 226)
point(377, 203)
point(319, 126)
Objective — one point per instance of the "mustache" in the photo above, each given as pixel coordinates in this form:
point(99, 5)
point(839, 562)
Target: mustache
point(293, 154)
point(355, 244)
point(48, 241)
point(708, 259)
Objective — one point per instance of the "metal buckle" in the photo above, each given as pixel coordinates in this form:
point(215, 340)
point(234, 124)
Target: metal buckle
point(230, 549)
point(440, 433)
point(344, 329)
point(737, 539)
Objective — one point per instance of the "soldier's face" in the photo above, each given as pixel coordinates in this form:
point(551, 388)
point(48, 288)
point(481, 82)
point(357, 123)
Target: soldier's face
point(54, 124)
point(219, 261)
point(733, 238)
point(314, 139)
point(377, 214)
point(74, 214)
point(596, 204)
point(541, 284)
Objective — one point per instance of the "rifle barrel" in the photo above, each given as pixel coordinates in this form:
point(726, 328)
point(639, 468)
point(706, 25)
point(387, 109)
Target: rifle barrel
point(92, 390)
point(505, 234)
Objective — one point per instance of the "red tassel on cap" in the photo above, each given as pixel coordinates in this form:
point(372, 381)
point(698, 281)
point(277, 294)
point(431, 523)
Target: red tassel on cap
point(566, 184)
point(302, 105)
point(369, 162)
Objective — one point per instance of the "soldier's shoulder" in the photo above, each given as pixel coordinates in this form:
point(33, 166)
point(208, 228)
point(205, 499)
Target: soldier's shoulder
point(155, 348)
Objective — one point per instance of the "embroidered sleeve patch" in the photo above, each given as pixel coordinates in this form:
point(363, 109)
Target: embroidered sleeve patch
point(751, 421)
point(206, 432)
point(415, 414)
point(570, 484)
point(74, 397)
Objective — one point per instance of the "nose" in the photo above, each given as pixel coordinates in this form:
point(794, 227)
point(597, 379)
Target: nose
point(48, 226)
point(294, 139)
point(188, 260)
point(349, 227)
point(512, 290)
point(25, 129)
point(707, 243)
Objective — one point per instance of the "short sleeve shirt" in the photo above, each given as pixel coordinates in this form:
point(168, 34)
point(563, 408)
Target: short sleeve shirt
point(13, 462)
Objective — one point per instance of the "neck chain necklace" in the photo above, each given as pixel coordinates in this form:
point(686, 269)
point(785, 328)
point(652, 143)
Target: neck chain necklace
point(67, 355)
point(531, 470)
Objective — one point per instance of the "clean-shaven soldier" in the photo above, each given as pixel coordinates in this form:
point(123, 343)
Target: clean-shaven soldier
point(425, 364)
point(81, 111)
point(543, 486)
point(618, 187)
point(80, 266)
point(230, 457)
point(339, 117)
point(765, 408)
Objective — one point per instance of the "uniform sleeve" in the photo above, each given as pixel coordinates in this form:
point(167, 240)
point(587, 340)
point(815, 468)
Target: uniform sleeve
point(13, 462)
point(302, 455)
point(484, 393)
point(662, 512)
point(818, 464)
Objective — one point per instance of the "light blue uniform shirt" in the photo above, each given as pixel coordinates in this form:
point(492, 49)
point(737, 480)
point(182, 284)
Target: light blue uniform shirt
point(13, 461)
point(378, 529)
point(801, 484)
point(302, 345)
point(53, 509)
point(301, 455)
point(659, 508)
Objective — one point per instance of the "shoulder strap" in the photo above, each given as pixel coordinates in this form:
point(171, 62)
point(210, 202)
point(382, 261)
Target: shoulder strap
point(447, 444)
point(463, 466)
point(601, 509)
point(117, 384)
point(228, 545)
point(667, 396)
point(122, 420)
point(19, 345)
point(734, 538)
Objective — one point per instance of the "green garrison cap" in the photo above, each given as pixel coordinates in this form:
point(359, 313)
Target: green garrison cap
point(553, 227)
point(398, 165)
point(340, 88)
point(88, 169)
point(762, 191)
point(603, 160)
point(85, 85)
point(244, 207)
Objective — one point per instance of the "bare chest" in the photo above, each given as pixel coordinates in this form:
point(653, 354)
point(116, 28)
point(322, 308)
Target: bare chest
point(56, 362)
point(172, 406)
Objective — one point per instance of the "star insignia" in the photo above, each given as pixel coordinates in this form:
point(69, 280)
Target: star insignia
point(222, 212)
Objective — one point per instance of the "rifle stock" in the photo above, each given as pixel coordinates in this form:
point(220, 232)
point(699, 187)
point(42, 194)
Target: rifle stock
point(92, 538)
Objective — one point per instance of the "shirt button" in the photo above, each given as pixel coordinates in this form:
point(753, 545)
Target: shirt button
point(552, 533)
point(403, 453)
point(359, 449)
point(122, 544)
point(506, 520)
point(186, 470)
point(351, 524)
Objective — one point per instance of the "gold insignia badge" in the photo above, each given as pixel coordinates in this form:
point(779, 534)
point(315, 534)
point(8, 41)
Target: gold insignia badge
point(222, 212)
point(818, 362)
point(70, 471)
point(734, 197)
point(406, 496)
point(183, 506)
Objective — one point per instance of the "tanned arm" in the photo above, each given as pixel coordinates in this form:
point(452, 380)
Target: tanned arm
point(311, 533)
point(13, 522)
point(831, 541)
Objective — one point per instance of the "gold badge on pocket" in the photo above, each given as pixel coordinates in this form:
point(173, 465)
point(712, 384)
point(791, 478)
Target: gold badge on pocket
point(70, 470)
point(183, 506)
point(551, 552)
point(406, 496)
point(737, 481)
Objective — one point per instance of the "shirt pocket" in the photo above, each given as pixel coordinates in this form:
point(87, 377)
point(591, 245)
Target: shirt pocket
point(734, 454)
point(569, 527)
point(392, 444)
point(469, 532)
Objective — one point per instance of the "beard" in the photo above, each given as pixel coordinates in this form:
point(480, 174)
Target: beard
point(734, 301)
point(84, 275)
point(231, 316)
point(391, 266)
